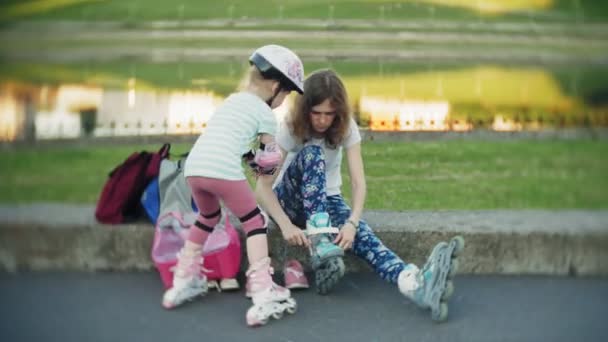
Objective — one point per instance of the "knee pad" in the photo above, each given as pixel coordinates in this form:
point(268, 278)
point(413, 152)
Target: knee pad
point(206, 227)
point(265, 159)
point(254, 223)
point(268, 156)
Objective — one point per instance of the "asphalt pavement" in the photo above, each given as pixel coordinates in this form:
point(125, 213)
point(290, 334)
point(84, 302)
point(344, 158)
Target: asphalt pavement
point(102, 306)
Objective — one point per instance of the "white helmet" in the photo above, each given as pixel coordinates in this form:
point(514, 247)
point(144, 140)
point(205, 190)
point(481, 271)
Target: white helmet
point(279, 63)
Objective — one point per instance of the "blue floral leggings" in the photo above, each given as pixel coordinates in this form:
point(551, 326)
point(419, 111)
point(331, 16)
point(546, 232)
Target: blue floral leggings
point(302, 193)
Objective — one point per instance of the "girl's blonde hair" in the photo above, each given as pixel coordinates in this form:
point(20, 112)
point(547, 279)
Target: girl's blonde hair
point(319, 86)
point(252, 75)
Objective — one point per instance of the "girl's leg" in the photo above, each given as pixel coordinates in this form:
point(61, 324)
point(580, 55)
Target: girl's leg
point(188, 280)
point(367, 245)
point(269, 299)
point(209, 215)
point(240, 199)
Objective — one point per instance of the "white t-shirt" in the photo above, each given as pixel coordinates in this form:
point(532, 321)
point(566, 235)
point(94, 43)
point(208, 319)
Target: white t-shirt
point(230, 131)
point(333, 157)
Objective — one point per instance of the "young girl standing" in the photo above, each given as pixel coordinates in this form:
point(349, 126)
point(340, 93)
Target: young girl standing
point(214, 172)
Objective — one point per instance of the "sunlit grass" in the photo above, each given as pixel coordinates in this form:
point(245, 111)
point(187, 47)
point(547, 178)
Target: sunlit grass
point(34, 7)
point(143, 10)
point(400, 176)
point(493, 86)
point(474, 92)
point(496, 7)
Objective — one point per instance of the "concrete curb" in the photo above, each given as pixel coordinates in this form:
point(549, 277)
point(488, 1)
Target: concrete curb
point(45, 237)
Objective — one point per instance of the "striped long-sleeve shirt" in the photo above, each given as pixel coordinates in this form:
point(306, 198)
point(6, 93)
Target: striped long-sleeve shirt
point(229, 134)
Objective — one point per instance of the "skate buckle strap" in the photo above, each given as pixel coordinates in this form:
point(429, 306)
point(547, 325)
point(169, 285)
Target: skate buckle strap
point(259, 265)
point(325, 230)
point(206, 270)
point(193, 266)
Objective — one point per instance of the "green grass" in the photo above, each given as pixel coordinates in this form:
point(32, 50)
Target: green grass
point(143, 10)
point(400, 176)
point(485, 175)
point(598, 47)
point(71, 174)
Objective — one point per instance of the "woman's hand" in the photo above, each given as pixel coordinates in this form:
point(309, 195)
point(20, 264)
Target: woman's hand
point(346, 236)
point(295, 236)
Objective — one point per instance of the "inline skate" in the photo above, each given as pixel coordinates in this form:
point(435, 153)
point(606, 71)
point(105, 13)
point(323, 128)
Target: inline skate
point(269, 299)
point(326, 257)
point(432, 286)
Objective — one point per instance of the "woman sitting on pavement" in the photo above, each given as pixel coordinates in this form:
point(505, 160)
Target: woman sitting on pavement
point(307, 194)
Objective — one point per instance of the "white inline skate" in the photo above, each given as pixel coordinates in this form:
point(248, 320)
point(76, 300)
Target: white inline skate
point(188, 280)
point(326, 257)
point(432, 286)
point(269, 299)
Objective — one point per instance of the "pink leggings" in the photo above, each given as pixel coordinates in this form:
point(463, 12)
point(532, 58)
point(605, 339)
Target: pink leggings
point(236, 195)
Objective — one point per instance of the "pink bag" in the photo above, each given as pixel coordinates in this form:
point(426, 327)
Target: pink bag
point(222, 250)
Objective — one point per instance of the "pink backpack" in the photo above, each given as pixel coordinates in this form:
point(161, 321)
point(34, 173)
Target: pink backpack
point(222, 250)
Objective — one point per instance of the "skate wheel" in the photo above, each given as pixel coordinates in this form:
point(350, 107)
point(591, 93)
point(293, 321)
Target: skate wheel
point(454, 265)
point(277, 315)
point(440, 315)
point(291, 310)
point(449, 290)
point(328, 275)
point(458, 242)
point(341, 267)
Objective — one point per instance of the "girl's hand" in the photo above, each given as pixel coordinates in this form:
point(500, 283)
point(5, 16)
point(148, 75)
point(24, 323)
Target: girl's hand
point(346, 236)
point(295, 236)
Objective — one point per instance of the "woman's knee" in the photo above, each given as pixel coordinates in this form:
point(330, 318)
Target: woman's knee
point(314, 149)
point(311, 153)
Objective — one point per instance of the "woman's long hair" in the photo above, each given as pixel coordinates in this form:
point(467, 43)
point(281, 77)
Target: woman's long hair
point(318, 87)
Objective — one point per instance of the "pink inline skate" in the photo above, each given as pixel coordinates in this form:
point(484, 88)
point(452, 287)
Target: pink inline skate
point(269, 299)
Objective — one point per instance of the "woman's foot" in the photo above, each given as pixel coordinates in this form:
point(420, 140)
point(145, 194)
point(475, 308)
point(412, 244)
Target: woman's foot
point(326, 257)
point(319, 230)
point(432, 286)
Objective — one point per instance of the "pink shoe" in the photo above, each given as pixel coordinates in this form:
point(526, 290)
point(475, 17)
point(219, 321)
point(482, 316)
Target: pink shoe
point(294, 275)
